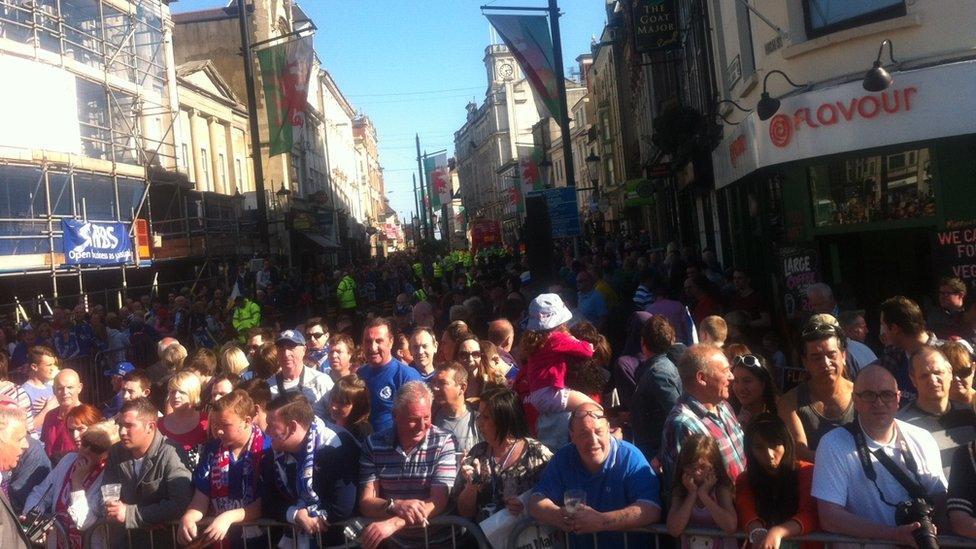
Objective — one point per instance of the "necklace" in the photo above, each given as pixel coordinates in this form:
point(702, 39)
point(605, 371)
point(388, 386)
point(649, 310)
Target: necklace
point(508, 454)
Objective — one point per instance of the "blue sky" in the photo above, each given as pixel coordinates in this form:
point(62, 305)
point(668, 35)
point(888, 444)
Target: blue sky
point(385, 53)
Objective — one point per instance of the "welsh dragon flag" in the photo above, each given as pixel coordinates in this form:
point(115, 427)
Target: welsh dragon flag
point(527, 37)
point(438, 180)
point(285, 71)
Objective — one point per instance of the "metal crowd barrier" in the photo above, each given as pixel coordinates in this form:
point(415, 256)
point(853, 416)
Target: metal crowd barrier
point(463, 533)
point(561, 539)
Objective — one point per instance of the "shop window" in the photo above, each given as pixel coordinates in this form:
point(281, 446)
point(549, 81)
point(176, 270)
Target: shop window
point(82, 31)
point(826, 16)
point(22, 194)
point(59, 184)
point(95, 196)
point(866, 190)
point(130, 196)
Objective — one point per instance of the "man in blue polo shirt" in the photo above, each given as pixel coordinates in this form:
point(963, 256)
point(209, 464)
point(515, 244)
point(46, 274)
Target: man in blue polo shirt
point(622, 491)
point(382, 373)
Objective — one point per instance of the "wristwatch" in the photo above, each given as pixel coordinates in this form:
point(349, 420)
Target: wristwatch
point(389, 506)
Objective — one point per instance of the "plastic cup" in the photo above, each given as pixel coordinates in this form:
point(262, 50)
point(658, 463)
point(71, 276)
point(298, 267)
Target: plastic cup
point(111, 492)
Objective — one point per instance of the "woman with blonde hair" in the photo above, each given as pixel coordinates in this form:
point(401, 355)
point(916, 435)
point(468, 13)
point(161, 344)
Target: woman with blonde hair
point(232, 360)
point(184, 423)
point(961, 358)
point(79, 471)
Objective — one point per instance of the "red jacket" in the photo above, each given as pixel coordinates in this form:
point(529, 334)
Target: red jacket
point(806, 515)
point(547, 366)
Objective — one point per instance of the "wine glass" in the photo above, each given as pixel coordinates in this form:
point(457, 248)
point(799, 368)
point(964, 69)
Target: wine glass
point(573, 499)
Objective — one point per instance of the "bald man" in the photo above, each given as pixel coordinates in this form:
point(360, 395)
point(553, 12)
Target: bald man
point(622, 491)
point(57, 439)
point(502, 334)
point(848, 502)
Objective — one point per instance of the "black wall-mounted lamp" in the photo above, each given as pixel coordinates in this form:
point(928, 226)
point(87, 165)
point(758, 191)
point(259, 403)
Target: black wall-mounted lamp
point(768, 105)
point(877, 78)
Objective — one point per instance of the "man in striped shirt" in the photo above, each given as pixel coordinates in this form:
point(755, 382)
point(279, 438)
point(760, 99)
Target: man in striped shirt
point(406, 472)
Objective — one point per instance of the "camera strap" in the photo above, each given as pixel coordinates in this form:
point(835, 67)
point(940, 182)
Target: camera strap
point(912, 486)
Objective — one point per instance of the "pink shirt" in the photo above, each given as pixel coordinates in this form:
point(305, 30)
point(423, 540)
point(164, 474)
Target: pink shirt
point(547, 366)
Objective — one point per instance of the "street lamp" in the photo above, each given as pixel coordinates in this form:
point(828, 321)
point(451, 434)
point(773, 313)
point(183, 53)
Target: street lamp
point(283, 194)
point(877, 78)
point(545, 168)
point(768, 105)
point(592, 168)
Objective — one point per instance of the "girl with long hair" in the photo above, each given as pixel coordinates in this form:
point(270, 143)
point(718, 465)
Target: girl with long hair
point(753, 389)
point(349, 406)
point(702, 495)
point(773, 495)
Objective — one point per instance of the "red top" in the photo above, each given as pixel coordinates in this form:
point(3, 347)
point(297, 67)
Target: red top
point(190, 439)
point(806, 515)
point(547, 366)
point(55, 436)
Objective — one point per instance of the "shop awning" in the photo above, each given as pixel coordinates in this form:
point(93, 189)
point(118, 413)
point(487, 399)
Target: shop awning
point(323, 241)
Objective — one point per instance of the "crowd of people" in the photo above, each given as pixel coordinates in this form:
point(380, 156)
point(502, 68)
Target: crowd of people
point(636, 387)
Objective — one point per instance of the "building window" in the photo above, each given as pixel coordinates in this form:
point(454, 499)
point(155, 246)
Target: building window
point(222, 164)
point(826, 16)
point(205, 176)
point(867, 190)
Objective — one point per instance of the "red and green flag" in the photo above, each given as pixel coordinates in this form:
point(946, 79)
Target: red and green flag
point(527, 37)
point(285, 71)
point(438, 179)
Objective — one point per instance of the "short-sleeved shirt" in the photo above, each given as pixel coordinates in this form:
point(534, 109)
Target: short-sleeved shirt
point(408, 475)
point(624, 479)
point(383, 382)
point(962, 480)
point(37, 396)
point(55, 436)
point(839, 478)
point(951, 430)
point(690, 417)
point(315, 385)
point(464, 428)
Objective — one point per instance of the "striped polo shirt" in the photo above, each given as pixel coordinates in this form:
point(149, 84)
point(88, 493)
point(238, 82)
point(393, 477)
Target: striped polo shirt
point(409, 475)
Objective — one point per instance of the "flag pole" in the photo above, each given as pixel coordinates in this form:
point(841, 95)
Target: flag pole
point(557, 56)
point(424, 195)
point(252, 113)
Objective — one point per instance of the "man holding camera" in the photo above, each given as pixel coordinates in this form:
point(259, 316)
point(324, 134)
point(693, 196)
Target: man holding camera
point(879, 478)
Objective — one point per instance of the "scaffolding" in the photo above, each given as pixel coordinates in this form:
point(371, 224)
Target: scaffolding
point(119, 54)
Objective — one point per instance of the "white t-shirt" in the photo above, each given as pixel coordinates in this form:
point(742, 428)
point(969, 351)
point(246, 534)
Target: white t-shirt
point(839, 478)
point(137, 466)
point(316, 388)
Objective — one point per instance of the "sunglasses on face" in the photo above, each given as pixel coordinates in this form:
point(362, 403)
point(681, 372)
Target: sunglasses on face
point(870, 397)
point(466, 354)
point(314, 335)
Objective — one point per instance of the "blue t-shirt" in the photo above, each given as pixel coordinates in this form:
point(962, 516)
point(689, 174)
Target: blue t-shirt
point(592, 306)
point(625, 479)
point(383, 383)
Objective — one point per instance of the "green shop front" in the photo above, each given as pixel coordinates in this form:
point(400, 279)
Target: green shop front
point(872, 193)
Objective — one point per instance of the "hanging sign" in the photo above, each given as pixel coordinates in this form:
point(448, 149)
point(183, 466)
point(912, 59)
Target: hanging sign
point(90, 243)
point(656, 25)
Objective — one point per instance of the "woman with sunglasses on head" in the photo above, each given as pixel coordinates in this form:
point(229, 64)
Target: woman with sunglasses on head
point(72, 492)
point(753, 390)
point(773, 496)
point(489, 373)
point(961, 358)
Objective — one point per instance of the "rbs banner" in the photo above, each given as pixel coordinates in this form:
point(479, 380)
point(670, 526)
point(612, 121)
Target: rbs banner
point(87, 243)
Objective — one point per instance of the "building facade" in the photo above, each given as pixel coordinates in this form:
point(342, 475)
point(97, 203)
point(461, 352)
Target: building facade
point(89, 118)
point(873, 186)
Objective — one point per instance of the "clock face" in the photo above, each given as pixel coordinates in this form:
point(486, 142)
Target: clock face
point(506, 70)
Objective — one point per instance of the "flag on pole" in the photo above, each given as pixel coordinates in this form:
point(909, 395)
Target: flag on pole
point(438, 179)
point(285, 71)
point(527, 37)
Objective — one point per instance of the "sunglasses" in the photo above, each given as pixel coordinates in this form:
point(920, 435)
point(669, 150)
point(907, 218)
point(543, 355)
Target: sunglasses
point(887, 397)
point(466, 354)
point(820, 328)
point(314, 335)
point(592, 414)
point(748, 361)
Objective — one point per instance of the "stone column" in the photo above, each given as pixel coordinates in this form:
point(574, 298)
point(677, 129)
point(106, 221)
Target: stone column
point(213, 125)
point(231, 166)
point(196, 144)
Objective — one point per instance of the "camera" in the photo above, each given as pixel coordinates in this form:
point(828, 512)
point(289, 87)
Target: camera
point(353, 530)
point(36, 525)
point(918, 510)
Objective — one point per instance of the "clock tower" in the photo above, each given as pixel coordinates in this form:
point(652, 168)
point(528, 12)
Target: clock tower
point(501, 65)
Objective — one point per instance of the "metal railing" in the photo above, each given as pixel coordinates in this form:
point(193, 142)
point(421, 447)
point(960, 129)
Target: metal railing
point(562, 539)
point(463, 533)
